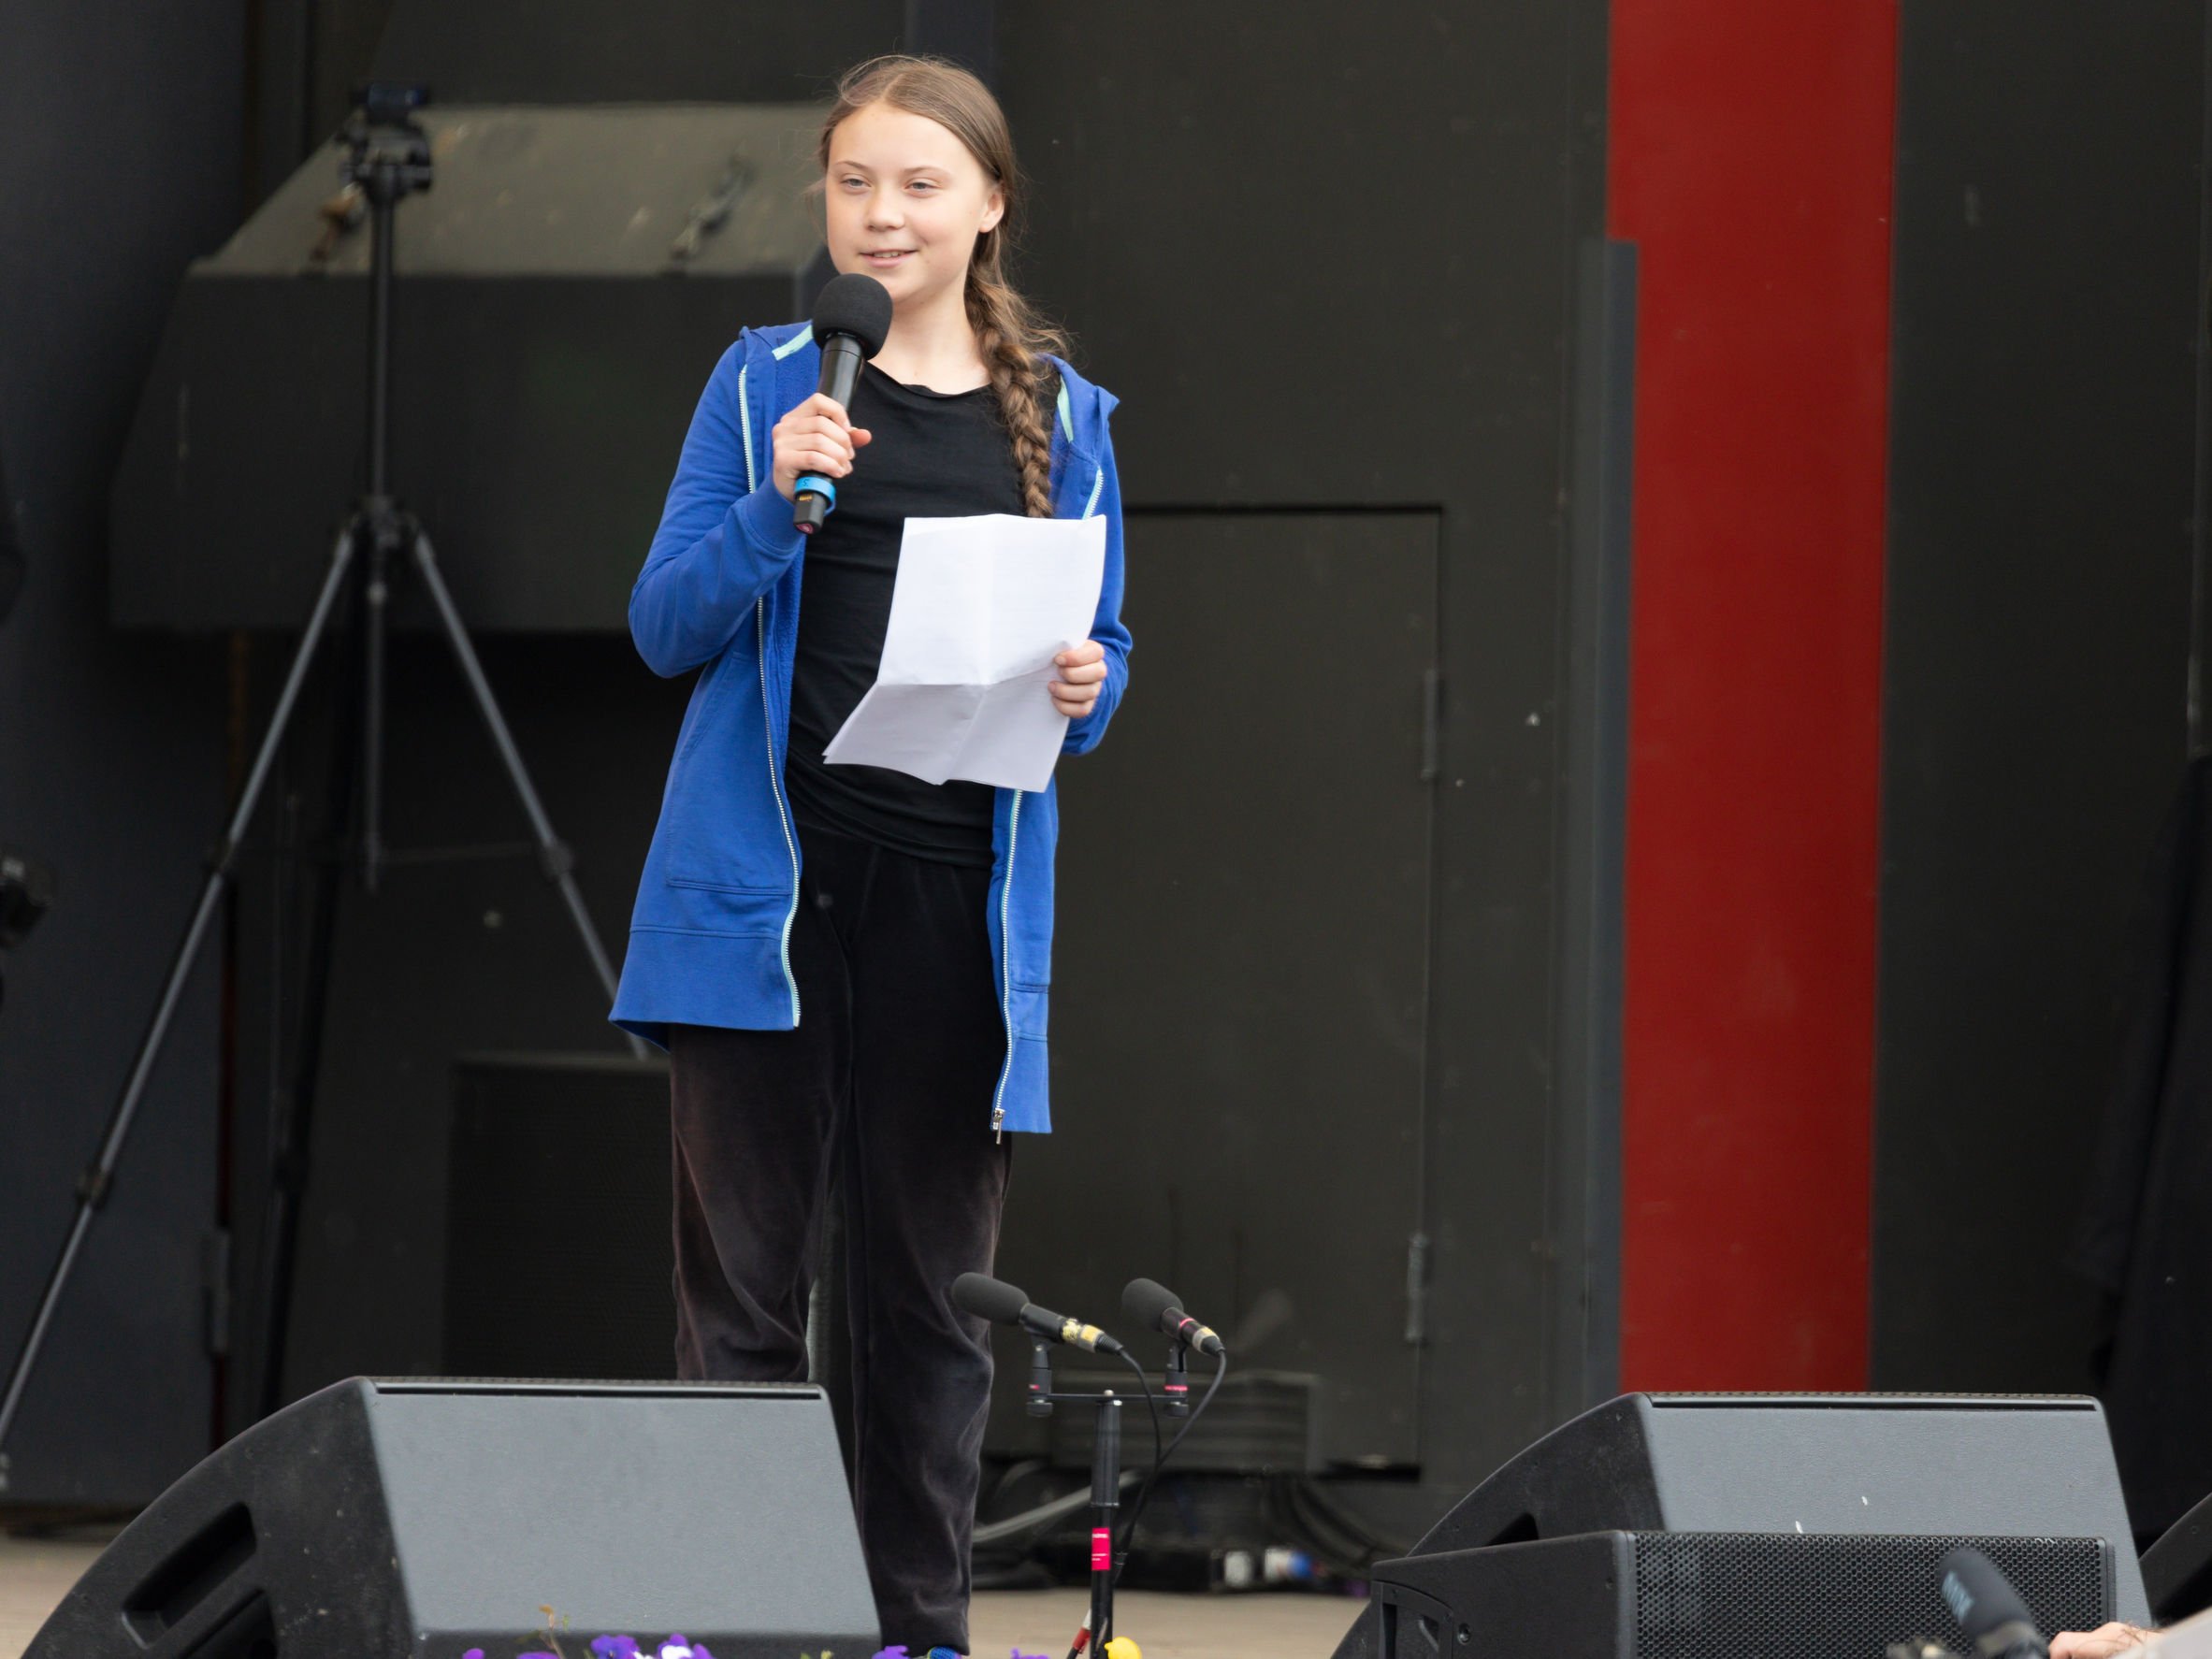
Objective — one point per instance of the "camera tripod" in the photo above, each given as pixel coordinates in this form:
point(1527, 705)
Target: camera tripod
point(389, 159)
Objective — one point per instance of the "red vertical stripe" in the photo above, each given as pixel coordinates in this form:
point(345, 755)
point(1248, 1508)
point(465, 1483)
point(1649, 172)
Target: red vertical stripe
point(1750, 159)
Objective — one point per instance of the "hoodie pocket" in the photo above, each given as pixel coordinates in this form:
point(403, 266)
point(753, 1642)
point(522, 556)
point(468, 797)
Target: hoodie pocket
point(724, 829)
point(1028, 1008)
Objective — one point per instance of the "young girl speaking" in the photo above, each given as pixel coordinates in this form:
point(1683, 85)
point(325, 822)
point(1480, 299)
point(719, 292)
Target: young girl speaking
point(848, 966)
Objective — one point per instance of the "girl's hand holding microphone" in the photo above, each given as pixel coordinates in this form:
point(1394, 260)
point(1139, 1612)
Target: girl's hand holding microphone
point(815, 437)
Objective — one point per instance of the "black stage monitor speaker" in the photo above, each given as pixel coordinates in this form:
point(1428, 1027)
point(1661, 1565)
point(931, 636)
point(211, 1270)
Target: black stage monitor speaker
point(424, 1518)
point(1718, 1596)
point(2178, 1569)
point(1688, 1523)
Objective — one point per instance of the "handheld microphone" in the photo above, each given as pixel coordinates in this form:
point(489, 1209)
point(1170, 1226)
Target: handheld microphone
point(1156, 1307)
point(1988, 1609)
point(852, 318)
point(1002, 1304)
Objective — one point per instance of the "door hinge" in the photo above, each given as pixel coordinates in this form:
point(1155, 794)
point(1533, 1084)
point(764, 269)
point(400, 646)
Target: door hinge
point(1416, 1289)
point(1432, 725)
point(215, 1289)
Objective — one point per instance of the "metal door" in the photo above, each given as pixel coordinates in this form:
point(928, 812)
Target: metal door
point(1240, 969)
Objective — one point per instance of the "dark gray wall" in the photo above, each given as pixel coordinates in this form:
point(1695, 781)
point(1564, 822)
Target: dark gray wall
point(444, 960)
point(2043, 534)
point(1238, 245)
point(1345, 261)
point(1334, 258)
point(121, 151)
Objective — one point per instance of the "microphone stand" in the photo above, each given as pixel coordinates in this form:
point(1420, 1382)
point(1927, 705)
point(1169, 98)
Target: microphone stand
point(1105, 1490)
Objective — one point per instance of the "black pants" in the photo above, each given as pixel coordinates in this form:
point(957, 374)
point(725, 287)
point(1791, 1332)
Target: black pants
point(884, 1090)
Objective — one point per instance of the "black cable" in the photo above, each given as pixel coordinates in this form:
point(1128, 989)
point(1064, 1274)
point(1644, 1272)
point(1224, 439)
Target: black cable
point(1136, 1509)
point(1279, 1510)
point(1152, 1406)
point(1336, 1548)
point(1349, 1522)
point(1043, 1515)
point(1015, 1471)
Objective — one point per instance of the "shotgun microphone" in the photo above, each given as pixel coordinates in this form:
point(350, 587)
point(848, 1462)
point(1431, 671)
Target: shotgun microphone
point(852, 318)
point(1153, 1305)
point(1002, 1304)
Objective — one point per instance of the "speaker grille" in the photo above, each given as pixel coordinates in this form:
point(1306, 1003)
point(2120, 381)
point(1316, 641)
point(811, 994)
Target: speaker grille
point(1811, 1595)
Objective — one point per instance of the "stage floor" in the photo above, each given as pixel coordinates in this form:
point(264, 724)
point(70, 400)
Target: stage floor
point(35, 1574)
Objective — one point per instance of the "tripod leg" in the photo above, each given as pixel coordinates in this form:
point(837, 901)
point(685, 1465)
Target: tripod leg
point(292, 1132)
point(375, 605)
point(92, 1187)
point(553, 854)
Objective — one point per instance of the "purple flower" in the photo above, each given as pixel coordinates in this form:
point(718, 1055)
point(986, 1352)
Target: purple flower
point(614, 1647)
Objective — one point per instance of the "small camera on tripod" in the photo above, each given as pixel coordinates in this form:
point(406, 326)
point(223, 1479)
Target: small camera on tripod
point(388, 154)
point(390, 103)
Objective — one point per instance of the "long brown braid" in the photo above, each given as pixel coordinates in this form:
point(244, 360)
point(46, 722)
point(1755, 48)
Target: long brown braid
point(1012, 335)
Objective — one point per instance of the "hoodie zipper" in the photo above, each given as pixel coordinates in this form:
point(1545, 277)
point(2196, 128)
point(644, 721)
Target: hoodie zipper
point(998, 1102)
point(775, 782)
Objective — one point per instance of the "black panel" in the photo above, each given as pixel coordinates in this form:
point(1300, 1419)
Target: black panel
point(448, 958)
point(119, 163)
point(583, 52)
point(528, 415)
point(1593, 818)
point(2042, 493)
point(1241, 960)
point(552, 1265)
point(12, 551)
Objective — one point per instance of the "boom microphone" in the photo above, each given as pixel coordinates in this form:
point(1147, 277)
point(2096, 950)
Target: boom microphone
point(852, 318)
point(1153, 1305)
point(1988, 1609)
point(1002, 1304)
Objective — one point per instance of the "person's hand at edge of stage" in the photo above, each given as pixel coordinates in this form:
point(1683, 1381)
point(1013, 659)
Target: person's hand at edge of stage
point(2101, 1643)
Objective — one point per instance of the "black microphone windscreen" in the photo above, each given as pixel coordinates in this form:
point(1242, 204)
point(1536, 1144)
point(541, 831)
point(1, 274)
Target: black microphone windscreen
point(855, 304)
point(1146, 1300)
point(988, 1298)
point(1980, 1598)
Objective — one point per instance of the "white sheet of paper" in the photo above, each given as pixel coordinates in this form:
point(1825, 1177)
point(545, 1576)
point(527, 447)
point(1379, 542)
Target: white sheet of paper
point(982, 606)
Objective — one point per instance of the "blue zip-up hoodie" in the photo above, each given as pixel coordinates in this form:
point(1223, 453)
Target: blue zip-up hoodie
point(710, 939)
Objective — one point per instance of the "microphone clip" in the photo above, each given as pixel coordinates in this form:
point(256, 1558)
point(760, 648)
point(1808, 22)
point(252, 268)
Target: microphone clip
point(1176, 1379)
point(1039, 1402)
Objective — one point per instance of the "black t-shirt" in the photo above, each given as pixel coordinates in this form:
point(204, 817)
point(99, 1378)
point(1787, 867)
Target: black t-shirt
point(931, 454)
